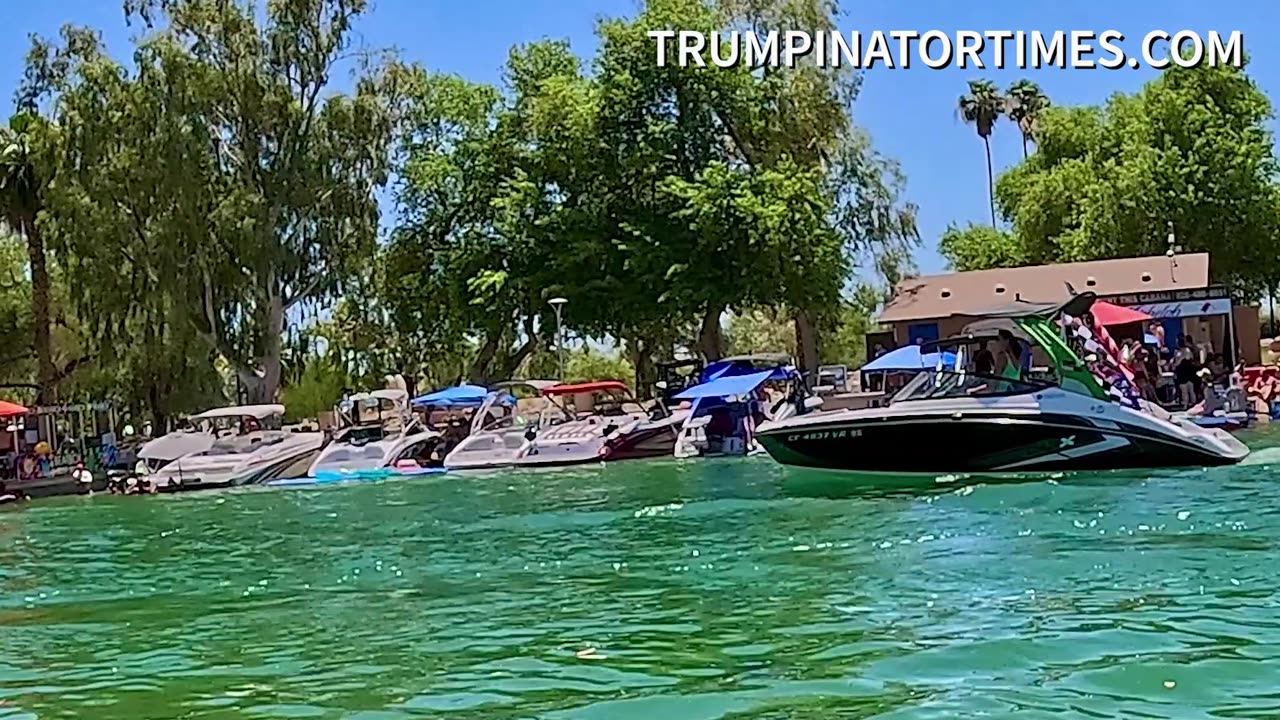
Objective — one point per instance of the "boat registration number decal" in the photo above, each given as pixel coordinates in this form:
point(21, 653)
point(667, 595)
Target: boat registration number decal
point(826, 435)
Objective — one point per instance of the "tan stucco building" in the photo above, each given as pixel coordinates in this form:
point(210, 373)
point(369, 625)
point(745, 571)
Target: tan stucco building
point(1175, 290)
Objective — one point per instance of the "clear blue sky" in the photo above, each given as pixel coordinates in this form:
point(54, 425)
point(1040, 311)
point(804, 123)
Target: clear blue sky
point(910, 113)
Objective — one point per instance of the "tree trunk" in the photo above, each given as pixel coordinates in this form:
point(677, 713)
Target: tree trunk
point(711, 335)
point(991, 181)
point(159, 422)
point(806, 343)
point(152, 334)
point(1025, 155)
point(511, 365)
point(480, 367)
point(46, 376)
point(642, 360)
point(263, 386)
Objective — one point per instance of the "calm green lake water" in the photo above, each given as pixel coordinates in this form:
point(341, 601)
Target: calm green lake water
point(722, 589)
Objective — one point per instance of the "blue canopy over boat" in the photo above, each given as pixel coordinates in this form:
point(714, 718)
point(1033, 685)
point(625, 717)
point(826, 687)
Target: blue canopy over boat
point(459, 396)
point(909, 358)
point(726, 386)
point(743, 366)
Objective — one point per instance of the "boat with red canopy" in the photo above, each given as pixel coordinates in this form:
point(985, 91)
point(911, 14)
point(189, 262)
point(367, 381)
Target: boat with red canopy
point(600, 386)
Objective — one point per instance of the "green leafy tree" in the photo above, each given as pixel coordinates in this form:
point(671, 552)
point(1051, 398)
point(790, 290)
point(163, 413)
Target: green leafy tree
point(652, 199)
point(856, 318)
point(587, 364)
point(475, 251)
point(1025, 102)
point(981, 107)
point(222, 175)
point(21, 195)
point(361, 338)
point(760, 168)
point(316, 389)
point(981, 247)
point(760, 330)
point(1192, 148)
point(16, 368)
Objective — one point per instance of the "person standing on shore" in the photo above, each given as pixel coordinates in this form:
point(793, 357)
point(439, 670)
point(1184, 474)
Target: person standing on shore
point(1185, 368)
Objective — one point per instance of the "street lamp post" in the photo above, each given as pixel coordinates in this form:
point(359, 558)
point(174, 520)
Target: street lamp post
point(557, 303)
point(16, 426)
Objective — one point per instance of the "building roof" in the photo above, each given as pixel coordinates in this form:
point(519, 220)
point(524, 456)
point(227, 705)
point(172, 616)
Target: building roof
point(939, 296)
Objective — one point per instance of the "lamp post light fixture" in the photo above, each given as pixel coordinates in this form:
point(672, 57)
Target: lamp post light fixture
point(557, 303)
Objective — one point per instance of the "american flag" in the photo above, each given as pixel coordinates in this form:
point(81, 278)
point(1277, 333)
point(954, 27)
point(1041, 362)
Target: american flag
point(1114, 376)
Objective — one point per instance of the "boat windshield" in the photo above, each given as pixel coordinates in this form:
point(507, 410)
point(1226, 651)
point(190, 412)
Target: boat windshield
point(512, 421)
point(241, 444)
point(352, 458)
point(940, 384)
point(373, 410)
point(361, 434)
point(220, 425)
point(615, 404)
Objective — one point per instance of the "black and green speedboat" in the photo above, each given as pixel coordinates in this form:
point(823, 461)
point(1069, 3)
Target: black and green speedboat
point(954, 421)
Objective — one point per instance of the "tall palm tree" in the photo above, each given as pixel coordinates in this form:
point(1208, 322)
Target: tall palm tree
point(1025, 103)
point(20, 202)
point(981, 107)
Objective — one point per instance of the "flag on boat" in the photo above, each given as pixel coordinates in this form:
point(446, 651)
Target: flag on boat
point(1115, 377)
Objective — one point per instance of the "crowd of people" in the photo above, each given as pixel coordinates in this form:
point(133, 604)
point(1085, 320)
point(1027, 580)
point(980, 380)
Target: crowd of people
point(1195, 377)
point(1184, 376)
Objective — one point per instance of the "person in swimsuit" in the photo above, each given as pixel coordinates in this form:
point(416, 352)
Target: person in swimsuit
point(1009, 358)
point(1008, 366)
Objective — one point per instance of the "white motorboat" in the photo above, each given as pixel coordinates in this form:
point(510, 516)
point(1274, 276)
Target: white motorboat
point(236, 460)
point(381, 432)
point(501, 425)
point(203, 429)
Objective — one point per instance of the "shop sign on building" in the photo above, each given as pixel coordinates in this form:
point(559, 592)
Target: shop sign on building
point(1187, 309)
point(1198, 302)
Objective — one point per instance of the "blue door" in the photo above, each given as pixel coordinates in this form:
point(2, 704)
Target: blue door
point(1172, 331)
point(922, 332)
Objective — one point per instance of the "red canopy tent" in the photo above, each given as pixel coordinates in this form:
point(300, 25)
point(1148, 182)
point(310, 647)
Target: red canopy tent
point(586, 387)
point(1105, 313)
point(8, 409)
